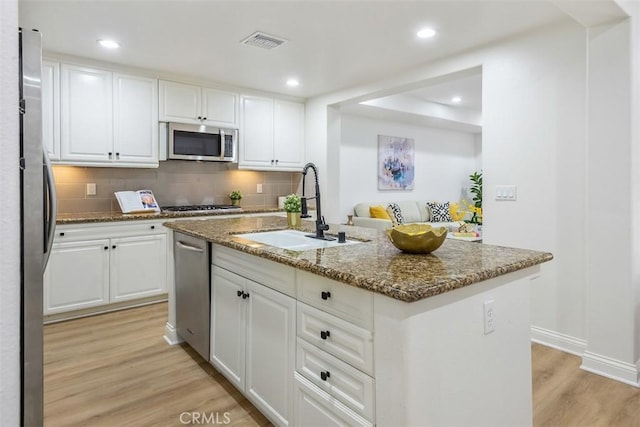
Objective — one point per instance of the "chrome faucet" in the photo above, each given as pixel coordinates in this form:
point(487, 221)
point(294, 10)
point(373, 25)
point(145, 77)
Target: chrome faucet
point(321, 226)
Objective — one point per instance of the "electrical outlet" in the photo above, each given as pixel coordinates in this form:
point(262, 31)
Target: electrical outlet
point(259, 189)
point(489, 317)
point(91, 189)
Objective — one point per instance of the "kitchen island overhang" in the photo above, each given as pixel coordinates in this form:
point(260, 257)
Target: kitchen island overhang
point(435, 362)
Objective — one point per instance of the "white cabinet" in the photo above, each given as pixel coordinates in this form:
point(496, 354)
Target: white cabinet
point(107, 119)
point(252, 341)
point(272, 134)
point(93, 265)
point(185, 103)
point(77, 276)
point(51, 108)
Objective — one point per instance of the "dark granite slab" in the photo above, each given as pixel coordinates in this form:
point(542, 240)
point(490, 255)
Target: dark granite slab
point(376, 264)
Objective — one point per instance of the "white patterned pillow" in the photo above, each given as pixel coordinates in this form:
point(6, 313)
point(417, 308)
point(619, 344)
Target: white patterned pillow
point(395, 213)
point(439, 212)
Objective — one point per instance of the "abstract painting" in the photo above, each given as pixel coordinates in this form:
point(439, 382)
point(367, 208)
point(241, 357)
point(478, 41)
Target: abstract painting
point(396, 168)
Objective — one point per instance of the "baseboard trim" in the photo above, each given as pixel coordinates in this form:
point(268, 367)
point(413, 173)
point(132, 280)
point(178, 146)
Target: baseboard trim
point(562, 342)
point(170, 334)
point(624, 372)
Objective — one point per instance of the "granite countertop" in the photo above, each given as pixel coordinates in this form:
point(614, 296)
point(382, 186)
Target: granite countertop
point(92, 217)
point(376, 264)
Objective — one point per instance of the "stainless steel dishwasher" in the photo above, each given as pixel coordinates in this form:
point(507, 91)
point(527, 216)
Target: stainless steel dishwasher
point(192, 286)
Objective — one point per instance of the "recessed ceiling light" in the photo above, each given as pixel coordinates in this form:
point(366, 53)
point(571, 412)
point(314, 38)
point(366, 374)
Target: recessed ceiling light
point(426, 33)
point(109, 44)
point(456, 99)
point(293, 83)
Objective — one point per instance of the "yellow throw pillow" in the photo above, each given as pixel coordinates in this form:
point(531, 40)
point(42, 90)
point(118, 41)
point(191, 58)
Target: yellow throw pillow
point(378, 212)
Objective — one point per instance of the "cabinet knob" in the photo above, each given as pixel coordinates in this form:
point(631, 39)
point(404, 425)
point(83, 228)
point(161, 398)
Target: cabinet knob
point(199, 117)
point(271, 161)
point(106, 248)
point(153, 227)
point(110, 154)
point(325, 295)
point(277, 161)
point(240, 293)
point(245, 295)
point(204, 118)
point(61, 233)
point(325, 334)
point(113, 247)
point(117, 155)
point(324, 375)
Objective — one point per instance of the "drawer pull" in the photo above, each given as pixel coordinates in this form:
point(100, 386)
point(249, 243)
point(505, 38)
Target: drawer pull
point(325, 295)
point(113, 247)
point(106, 248)
point(153, 227)
point(240, 293)
point(325, 334)
point(324, 375)
point(62, 233)
point(245, 295)
point(190, 331)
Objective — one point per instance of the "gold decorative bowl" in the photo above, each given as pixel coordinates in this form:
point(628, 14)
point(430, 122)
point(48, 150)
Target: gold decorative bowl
point(417, 238)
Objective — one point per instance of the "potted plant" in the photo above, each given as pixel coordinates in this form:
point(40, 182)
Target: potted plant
point(293, 206)
point(235, 197)
point(476, 190)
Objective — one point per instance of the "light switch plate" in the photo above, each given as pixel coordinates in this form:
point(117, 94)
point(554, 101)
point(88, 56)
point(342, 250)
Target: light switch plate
point(506, 192)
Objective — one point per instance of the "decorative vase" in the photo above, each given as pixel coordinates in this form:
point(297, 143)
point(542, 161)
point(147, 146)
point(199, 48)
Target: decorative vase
point(293, 219)
point(349, 219)
point(235, 202)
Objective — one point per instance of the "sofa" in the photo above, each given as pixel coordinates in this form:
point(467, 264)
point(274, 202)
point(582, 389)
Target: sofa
point(412, 212)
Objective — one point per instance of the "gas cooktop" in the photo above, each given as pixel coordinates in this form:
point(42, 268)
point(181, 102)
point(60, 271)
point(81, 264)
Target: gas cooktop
point(201, 208)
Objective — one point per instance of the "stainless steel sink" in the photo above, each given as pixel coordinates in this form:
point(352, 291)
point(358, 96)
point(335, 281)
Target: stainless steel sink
point(293, 240)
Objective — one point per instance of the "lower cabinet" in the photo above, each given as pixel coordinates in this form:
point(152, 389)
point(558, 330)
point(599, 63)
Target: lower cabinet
point(95, 265)
point(253, 341)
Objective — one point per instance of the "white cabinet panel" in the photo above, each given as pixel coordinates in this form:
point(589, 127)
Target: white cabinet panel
point(228, 312)
point(256, 136)
point(179, 102)
point(288, 134)
point(86, 114)
point(77, 276)
point(51, 108)
point(135, 270)
point(135, 123)
point(220, 107)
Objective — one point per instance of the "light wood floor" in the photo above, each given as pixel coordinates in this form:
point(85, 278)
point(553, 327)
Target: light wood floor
point(116, 370)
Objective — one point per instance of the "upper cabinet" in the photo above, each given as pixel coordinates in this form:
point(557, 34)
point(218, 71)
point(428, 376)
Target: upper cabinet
point(272, 134)
point(107, 119)
point(184, 103)
point(51, 108)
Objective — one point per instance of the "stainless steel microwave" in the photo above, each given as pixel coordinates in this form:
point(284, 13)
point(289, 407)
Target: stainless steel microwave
point(200, 142)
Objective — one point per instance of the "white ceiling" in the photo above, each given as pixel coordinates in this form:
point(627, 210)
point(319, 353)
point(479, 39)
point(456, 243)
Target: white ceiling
point(331, 44)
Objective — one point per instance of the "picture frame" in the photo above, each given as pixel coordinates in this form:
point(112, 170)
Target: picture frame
point(396, 163)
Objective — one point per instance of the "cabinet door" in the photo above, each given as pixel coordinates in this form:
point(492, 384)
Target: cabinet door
point(135, 119)
point(228, 310)
point(219, 108)
point(288, 139)
point(256, 137)
point(179, 103)
point(51, 108)
point(86, 113)
point(270, 352)
point(138, 267)
point(77, 276)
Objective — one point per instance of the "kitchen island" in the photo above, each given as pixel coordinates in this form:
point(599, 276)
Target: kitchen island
point(439, 339)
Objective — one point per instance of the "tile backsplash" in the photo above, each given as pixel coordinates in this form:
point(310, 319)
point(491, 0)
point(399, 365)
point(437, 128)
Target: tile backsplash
point(173, 183)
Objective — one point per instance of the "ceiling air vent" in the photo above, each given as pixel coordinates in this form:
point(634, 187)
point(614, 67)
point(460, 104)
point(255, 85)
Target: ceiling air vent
point(263, 40)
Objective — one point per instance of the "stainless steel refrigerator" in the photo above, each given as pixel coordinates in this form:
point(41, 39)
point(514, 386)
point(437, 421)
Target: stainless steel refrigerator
point(37, 223)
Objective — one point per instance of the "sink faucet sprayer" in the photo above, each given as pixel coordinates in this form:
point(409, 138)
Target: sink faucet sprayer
point(321, 226)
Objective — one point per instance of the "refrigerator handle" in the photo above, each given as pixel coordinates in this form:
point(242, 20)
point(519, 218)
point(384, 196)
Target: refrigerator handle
point(52, 208)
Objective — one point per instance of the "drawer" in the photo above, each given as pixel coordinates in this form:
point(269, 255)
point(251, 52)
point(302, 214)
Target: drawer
point(341, 380)
point(347, 302)
point(277, 276)
point(107, 230)
point(316, 408)
point(338, 337)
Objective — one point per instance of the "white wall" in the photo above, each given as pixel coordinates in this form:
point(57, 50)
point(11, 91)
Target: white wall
point(534, 137)
point(9, 218)
point(443, 161)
